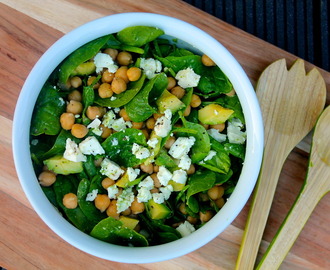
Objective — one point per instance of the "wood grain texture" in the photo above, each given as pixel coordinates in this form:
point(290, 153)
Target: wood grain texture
point(27, 29)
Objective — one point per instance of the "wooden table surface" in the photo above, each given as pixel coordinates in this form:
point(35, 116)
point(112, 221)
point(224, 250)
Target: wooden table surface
point(27, 29)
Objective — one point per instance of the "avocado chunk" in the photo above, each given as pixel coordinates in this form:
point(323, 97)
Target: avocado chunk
point(128, 222)
point(84, 69)
point(60, 165)
point(156, 210)
point(214, 114)
point(169, 101)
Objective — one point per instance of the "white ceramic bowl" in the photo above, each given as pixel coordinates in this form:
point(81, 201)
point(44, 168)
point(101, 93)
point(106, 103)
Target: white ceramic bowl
point(199, 41)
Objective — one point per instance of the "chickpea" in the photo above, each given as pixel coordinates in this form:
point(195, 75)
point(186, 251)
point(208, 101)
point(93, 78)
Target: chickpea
point(76, 81)
point(169, 142)
point(154, 190)
point(124, 114)
point(74, 107)
point(147, 168)
point(137, 207)
point(207, 61)
point(187, 111)
point(220, 202)
point(182, 208)
point(157, 115)
point(47, 178)
point(219, 127)
point(67, 120)
point(112, 210)
point(112, 52)
point(97, 162)
point(205, 217)
point(107, 76)
point(215, 192)
point(107, 182)
point(192, 220)
point(191, 169)
point(122, 73)
point(195, 101)
point(102, 202)
point(105, 90)
point(118, 85)
point(127, 212)
point(93, 112)
point(178, 91)
point(75, 95)
point(206, 126)
point(67, 84)
point(171, 83)
point(203, 197)
point(137, 125)
point(79, 131)
point(231, 93)
point(90, 80)
point(145, 133)
point(106, 132)
point(151, 123)
point(70, 201)
point(124, 58)
point(156, 168)
point(154, 177)
point(134, 73)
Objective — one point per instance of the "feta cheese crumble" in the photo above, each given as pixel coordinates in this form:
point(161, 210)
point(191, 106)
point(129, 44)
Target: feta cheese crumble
point(72, 152)
point(234, 133)
point(210, 155)
point(166, 191)
point(185, 162)
point(158, 197)
point(110, 169)
point(163, 124)
point(215, 134)
point(140, 152)
point(91, 146)
point(95, 127)
point(144, 195)
point(103, 60)
point(92, 195)
point(108, 119)
point(125, 200)
point(112, 191)
point(179, 176)
point(132, 173)
point(152, 142)
point(164, 175)
point(150, 67)
point(187, 78)
point(147, 183)
point(185, 229)
point(181, 146)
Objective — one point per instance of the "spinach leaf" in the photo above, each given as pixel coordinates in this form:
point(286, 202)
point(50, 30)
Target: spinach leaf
point(96, 183)
point(88, 208)
point(47, 112)
point(138, 35)
point(88, 97)
point(164, 159)
point(50, 194)
point(123, 98)
point(201, 181)
point(90, 167)
point(62, 186)
point(193, 205)
point(129, 236)
point(143, 105)
point(237, 150)
point(80, 56)
point(222, 178)
point(118, 146)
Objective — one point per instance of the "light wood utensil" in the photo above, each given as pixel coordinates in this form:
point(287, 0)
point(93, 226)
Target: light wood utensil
point(291, 103)
point(316, 185)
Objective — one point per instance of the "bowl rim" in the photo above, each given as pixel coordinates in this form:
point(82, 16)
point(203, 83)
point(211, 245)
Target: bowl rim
point(183, 31)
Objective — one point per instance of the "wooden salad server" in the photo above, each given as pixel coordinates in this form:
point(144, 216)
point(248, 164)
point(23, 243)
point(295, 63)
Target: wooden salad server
point(316, 185)
point(291, 103)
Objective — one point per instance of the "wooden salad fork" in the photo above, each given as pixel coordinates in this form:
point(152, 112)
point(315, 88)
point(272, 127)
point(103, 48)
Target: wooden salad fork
point(291, 103)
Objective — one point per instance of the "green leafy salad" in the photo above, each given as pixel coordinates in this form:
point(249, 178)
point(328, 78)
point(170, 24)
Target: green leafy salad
point(137, 141)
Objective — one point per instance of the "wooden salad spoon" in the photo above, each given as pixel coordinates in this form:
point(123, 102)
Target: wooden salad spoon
point(291, 103)
point(316, 185)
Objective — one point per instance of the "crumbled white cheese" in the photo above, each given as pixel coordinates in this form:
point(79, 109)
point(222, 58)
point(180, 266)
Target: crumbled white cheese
point(210, 155)
point(108, 119)
point(119, 124)
point(234, 133)
point(91, 146)
point(113, 98)
point(62, 102)
point(185, 162)
point(163, 124)
point(158, 197)
point(110, 169)
point(185, 229)
point(179, 176)
point(152, 142)
point(116, 110)
point(164, 175)
point(76, 115)
point(125, 200)
point(72, 152)
point(114, 141)
point(144, 195)
point(132, 173)
point(95, 127)
point(34, 142)
point(181, 146)
point(147, 183)
point(112, 191)
point(150, 67)
point(166, 191)
point(215, 134)
point(92, 195)
point(140, 152)
point(187, 78)
point(103, 60)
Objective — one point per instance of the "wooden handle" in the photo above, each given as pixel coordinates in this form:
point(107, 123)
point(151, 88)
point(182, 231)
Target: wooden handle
point(260, 206)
